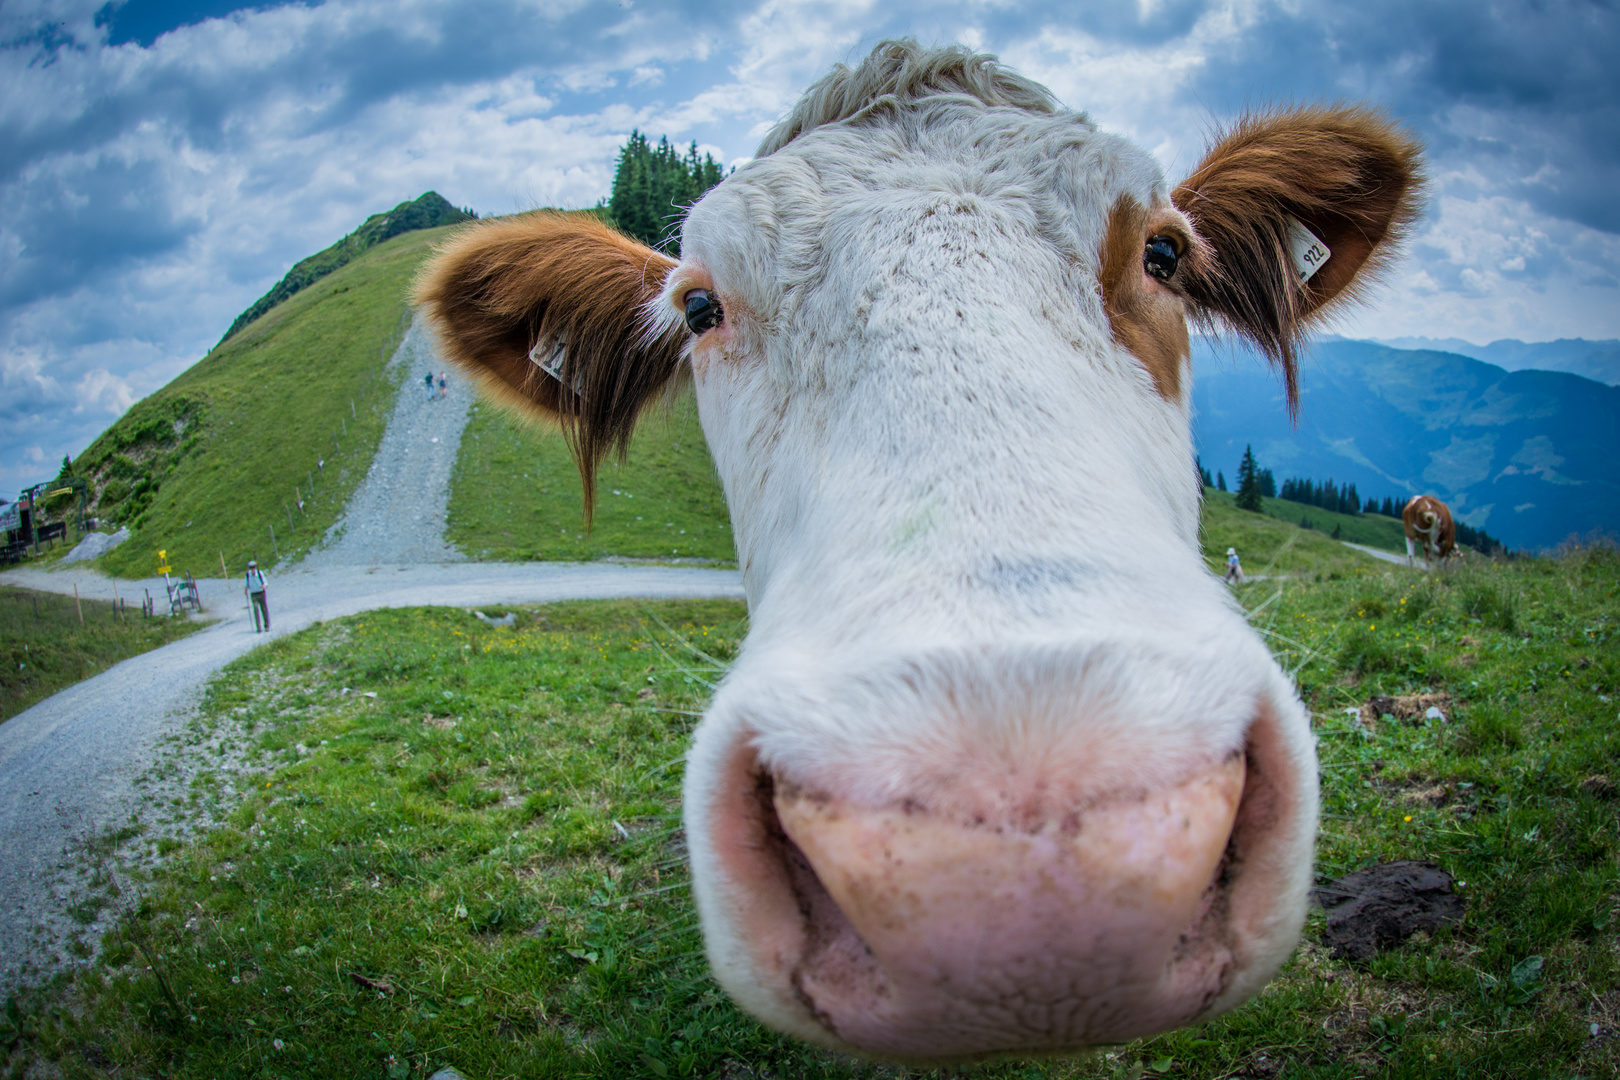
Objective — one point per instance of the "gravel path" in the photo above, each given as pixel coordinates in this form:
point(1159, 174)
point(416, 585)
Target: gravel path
point(397, 514)
point(1381, 554)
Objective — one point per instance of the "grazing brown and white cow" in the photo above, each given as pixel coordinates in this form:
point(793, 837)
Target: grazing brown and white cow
point(1000, 767)
point(1428, 524)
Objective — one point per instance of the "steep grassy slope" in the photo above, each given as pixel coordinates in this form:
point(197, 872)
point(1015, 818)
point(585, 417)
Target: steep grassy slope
point(1271, 546)
point(516, 494)
point(221, 456)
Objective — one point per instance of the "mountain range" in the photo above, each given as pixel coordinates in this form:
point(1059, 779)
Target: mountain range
point(1596, 360)
point(1528, 455)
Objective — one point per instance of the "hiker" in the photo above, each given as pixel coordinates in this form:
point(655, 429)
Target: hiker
point(1234, 569)
point(254, 588)
point(441, 384)
point(428, 378)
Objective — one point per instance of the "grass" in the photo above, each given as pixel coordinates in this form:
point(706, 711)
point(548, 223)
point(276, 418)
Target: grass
point(515, 494)
point(1373, 530)
point(481, 866)
point(214, 461)
point(1271, 548)
point(44, 647)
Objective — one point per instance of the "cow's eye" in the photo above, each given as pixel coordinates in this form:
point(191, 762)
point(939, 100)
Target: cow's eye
point(702, 311)
point(1160, 258)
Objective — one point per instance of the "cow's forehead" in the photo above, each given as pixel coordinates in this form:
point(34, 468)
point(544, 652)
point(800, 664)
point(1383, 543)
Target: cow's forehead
point(773, 223)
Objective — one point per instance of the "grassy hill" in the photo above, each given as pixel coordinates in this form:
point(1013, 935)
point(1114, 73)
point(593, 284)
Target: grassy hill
point(214, 461)
point(1374, 530)
point(430, 211)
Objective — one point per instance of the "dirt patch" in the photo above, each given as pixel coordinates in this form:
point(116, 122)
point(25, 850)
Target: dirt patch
point(1381, 907)
point(1410, 708)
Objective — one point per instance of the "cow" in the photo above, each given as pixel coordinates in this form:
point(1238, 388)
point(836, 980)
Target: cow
point(1000, 768)
point(1427, 520)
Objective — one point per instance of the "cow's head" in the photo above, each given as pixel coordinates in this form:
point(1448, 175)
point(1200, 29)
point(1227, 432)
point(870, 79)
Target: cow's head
point(1000, 768)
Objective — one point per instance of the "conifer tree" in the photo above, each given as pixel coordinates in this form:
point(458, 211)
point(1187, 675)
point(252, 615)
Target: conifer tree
point(1220, 480)
point(654, 186)
point(1248, 493)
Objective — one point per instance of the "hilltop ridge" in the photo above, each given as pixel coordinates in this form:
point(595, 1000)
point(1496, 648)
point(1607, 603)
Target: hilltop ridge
point(430, 211)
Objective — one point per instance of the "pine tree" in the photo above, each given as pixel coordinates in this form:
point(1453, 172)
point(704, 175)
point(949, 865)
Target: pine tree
point(1268, 484)
point(654, 186)
point(1220, 480)
point(1248, 493)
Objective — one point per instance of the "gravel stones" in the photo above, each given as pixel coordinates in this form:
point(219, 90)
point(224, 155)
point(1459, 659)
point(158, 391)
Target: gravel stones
point(397, 515)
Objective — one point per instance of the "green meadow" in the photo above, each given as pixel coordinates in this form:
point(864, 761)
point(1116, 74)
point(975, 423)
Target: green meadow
point(482, 864)
point(516, 493)
point(48, 642)
point(1373, 530)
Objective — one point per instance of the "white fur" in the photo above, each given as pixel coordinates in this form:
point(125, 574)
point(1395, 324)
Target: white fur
point(964, 515)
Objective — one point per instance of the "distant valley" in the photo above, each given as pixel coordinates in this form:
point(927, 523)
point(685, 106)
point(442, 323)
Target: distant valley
point(1528, 454)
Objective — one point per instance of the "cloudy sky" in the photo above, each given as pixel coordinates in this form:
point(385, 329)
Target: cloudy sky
point(163, 164)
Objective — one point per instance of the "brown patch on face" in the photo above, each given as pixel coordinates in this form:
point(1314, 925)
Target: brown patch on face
point(1147, 316)
point(499, 289)
point(1347, 173)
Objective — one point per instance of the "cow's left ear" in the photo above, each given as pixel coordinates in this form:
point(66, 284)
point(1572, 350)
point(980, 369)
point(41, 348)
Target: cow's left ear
point(548, 310)
point(1299, 208)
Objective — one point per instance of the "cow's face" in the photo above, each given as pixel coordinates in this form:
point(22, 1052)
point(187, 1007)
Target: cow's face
point(1000, 767)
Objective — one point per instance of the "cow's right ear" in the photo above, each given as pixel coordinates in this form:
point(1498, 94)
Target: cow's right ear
point(545, 310)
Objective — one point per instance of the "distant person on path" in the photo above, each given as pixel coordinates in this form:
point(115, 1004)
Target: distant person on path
point(254, 588)
point(428, 378)
point(1234, 569)
point(441, 384)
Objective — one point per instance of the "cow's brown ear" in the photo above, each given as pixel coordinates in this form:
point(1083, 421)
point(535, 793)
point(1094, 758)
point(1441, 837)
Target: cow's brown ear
point(1346, 175)
point(546, 310)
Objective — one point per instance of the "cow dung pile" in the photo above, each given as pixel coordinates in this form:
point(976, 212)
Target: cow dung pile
point(1380, 907)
